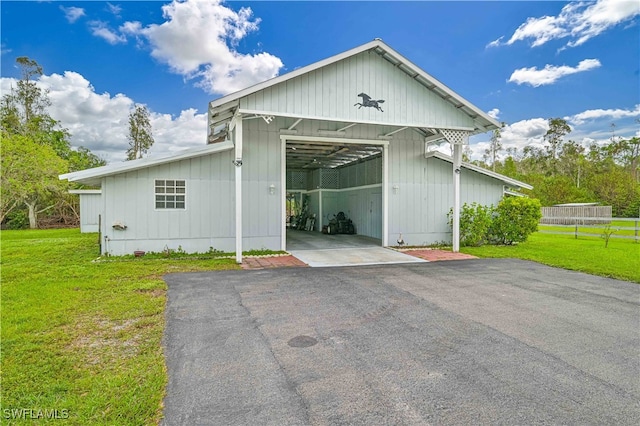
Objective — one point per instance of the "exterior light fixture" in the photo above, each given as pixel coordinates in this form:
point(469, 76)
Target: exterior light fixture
point(272, 189)
point(396, 188)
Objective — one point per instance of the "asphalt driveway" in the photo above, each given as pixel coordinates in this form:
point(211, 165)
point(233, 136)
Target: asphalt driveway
point(481, 341)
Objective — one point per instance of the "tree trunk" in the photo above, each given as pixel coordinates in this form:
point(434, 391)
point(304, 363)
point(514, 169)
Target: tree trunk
point(33, 215)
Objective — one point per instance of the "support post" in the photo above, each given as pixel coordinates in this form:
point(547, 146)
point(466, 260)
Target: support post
point(385, 195)
point(457, 163)
point(283, 194)
point(238, 163)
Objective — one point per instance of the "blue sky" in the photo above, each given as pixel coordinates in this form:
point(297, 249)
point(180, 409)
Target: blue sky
point(522, 61)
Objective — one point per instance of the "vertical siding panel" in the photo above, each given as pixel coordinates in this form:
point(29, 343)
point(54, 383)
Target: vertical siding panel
point(304, 94)
point(342, 92)
point(289, 93)
point(297, 95)
point(312, 94)
point(319, 99)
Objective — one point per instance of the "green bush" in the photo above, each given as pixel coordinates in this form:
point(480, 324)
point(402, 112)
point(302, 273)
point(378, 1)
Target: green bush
point(475, 221)
point(512, 221)
point(18, 219)
point(515, 219)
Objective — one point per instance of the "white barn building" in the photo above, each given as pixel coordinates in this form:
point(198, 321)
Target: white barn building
point(354, 133)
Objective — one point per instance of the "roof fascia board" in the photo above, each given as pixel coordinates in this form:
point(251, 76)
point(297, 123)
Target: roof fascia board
point(128, 166)
point(85, 191)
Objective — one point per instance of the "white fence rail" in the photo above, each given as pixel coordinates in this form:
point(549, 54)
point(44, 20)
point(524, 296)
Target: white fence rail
point(578, 224)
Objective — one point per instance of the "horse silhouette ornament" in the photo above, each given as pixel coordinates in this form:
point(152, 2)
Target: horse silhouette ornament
point(368, 102)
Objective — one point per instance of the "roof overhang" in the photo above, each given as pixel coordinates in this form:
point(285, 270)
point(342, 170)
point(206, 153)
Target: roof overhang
point(95, 175)
point(505, 179)
point(85, 191)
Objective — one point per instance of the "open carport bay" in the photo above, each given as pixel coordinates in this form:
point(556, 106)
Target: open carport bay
point(466, 342)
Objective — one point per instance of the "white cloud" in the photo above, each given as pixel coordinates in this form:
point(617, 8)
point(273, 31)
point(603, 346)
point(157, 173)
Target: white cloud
point(540, 29)
point(550, 73)
point(578, 21)
point(517, 135)
point(587, 127)
point(495, 43)
point(72, 13)
point(595, 114)
point(601, 16)
point(101, 29)
point(100, 121)
point(494, 113)
point(114, 9)
point(198, 40)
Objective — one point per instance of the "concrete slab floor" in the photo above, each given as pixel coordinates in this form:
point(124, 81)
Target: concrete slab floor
point(353, 256)
point(320, 250)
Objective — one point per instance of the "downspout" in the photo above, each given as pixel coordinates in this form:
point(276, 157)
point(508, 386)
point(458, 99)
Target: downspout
point(238, 163)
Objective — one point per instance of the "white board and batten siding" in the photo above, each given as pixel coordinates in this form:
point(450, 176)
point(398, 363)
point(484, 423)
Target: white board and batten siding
point(208, 221)
point(261, 219)
point(90, 208)
point(421, 193)
point(330, 93)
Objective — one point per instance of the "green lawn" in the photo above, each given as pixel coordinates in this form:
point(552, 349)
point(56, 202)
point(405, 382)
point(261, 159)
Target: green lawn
point(587, 254)
point(615, 225)
point(83, 337)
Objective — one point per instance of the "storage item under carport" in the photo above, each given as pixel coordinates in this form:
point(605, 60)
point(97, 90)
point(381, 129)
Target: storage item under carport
point(340, 224)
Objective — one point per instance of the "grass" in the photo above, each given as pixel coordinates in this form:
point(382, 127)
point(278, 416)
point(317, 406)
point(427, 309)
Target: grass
point(83, 337)
point(595, 229)
point(621, 259)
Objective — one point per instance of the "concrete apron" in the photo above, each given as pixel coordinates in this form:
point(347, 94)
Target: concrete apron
point(353, 256)
point(317, 249)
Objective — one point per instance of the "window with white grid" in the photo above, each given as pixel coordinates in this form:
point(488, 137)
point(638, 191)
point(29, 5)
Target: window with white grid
point(170, 194)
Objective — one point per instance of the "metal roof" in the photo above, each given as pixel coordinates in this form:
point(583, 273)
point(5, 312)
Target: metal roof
point(93, 176)
point(219, 109)
point(469, 166)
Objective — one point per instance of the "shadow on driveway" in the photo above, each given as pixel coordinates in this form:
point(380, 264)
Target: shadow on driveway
point(466, 342)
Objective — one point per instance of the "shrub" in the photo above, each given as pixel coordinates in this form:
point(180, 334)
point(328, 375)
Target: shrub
point(475, 221)
point(18, 219)
point(515, 219)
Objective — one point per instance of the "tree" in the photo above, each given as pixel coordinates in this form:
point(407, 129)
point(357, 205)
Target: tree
point(30, 176)
point(140, 134)
point(626, 152)
point(35, 150)
point(571, 158)
point(82, 159)
point(558, 129)
point(495, 146)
